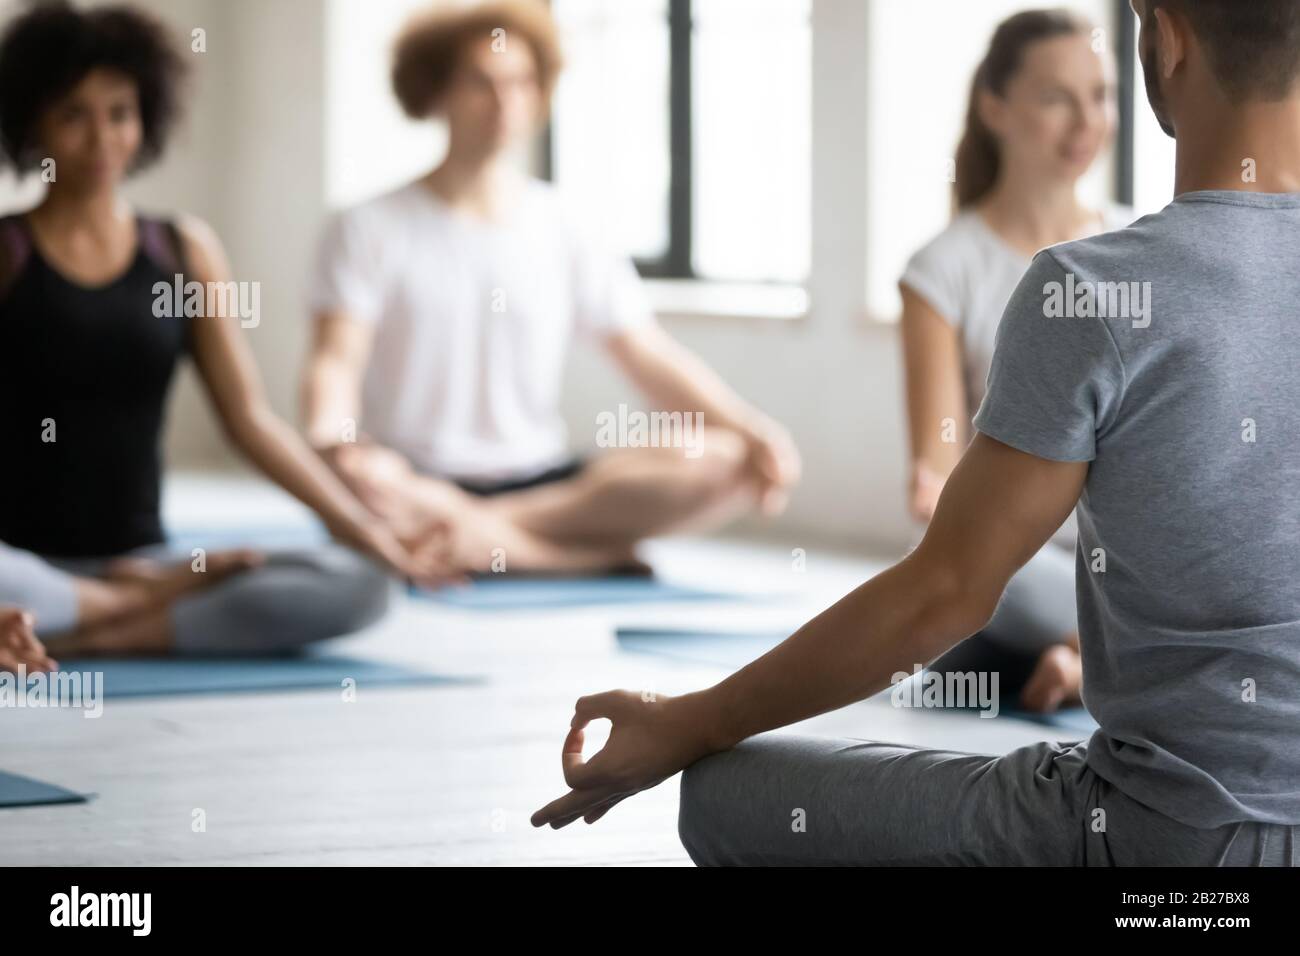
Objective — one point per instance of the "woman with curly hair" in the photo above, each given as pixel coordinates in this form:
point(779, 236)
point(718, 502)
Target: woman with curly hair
point(91, 96)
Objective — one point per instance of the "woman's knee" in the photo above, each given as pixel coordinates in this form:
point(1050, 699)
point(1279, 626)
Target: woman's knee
point(353, 591)
point(295, 599)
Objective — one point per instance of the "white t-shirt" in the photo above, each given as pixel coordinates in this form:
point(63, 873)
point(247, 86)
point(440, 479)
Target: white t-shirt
point(967, 274)
point(473, 321)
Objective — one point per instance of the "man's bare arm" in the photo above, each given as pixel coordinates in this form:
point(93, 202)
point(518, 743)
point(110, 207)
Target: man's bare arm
point(998, 508)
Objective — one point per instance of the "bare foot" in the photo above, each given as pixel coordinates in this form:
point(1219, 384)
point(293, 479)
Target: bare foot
point(147, 632)
point(1057, 681)
point(166, 581)
point(130, 586)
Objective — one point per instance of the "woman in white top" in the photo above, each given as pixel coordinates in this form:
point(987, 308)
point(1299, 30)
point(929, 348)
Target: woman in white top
point(1041, 111)
point(444, 313)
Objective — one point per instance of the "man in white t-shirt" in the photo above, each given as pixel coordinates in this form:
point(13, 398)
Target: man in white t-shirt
point(444, 310)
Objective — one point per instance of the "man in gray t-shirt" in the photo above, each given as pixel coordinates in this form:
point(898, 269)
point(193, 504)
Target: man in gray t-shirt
point(1151, 377)
point(1165, 355)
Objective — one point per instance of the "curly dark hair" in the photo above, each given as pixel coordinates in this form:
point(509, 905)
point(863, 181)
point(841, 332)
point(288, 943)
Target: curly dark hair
point(50, 48)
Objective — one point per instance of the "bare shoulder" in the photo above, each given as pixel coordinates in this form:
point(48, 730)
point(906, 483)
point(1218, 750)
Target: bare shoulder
point(202, 245)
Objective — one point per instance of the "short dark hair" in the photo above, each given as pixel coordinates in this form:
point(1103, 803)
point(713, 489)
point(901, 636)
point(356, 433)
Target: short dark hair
point(48, 50)
point(1253, 46)
point(429, 48)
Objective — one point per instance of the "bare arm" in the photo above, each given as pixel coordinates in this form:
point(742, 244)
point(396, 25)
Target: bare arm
point(937, 416)
point(331, 388)
point(676, 379)
point(234, 387)
point(19, 647)
point(998, 508)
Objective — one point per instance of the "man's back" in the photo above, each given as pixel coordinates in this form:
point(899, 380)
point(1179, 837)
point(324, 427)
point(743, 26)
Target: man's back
point(1166, 354)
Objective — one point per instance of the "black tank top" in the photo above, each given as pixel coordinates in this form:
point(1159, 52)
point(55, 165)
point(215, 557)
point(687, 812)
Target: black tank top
point(83, 386)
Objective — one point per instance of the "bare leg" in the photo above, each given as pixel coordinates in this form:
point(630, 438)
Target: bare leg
point(481, 537)
point(145, 632)
point(484, 536)
point(131, 586)
point(632, 494)
point(590, 522)
point(291, 600)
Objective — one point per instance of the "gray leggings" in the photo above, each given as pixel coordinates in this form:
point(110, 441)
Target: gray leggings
point(295, 598)
point(803, 801)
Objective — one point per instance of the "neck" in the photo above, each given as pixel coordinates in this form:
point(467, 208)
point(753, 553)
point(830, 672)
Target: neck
point(475, 183)
point(1039, 212)
point(98, 210)
point(1216, 147)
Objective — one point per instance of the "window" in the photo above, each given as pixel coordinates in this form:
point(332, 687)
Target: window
point(1146, 154)
point(683, 128)
point(921, 59)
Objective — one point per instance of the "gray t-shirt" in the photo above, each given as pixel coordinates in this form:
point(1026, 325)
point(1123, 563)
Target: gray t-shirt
point(1187, 404)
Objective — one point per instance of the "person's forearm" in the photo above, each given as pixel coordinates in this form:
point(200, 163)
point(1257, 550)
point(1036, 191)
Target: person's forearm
point(278, 451)
point(677, 380)
point(331, 403)
point(905, 616)
point(938, 421)
point(937, 427)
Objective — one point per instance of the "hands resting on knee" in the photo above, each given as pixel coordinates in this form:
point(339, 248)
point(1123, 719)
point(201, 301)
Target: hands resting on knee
point(18, 644)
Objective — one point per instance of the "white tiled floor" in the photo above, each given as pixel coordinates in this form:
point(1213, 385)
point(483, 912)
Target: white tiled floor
point(441, 775)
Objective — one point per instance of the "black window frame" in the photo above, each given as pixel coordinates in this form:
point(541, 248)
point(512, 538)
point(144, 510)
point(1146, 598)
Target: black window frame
point(1126, 26)
point(675, 263)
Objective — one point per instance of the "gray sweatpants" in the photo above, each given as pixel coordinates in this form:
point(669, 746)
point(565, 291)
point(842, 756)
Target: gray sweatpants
point(801, 801)
point(295, 598)
point(1037, 610)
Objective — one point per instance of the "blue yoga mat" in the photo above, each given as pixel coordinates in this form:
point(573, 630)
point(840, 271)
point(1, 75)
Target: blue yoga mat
point(270, 537)
point(507, 593)
point(736, 649)
point(489, 593)
point(16, 791)
point(163, 677)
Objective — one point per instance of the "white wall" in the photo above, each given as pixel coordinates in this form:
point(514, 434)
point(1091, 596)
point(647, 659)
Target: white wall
point(883, 124)
point(919, 86)
point(360, 110)
point(248, 159)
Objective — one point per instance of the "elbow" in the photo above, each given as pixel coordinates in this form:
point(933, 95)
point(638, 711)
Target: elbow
point(958, 605)
point(245, 428)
